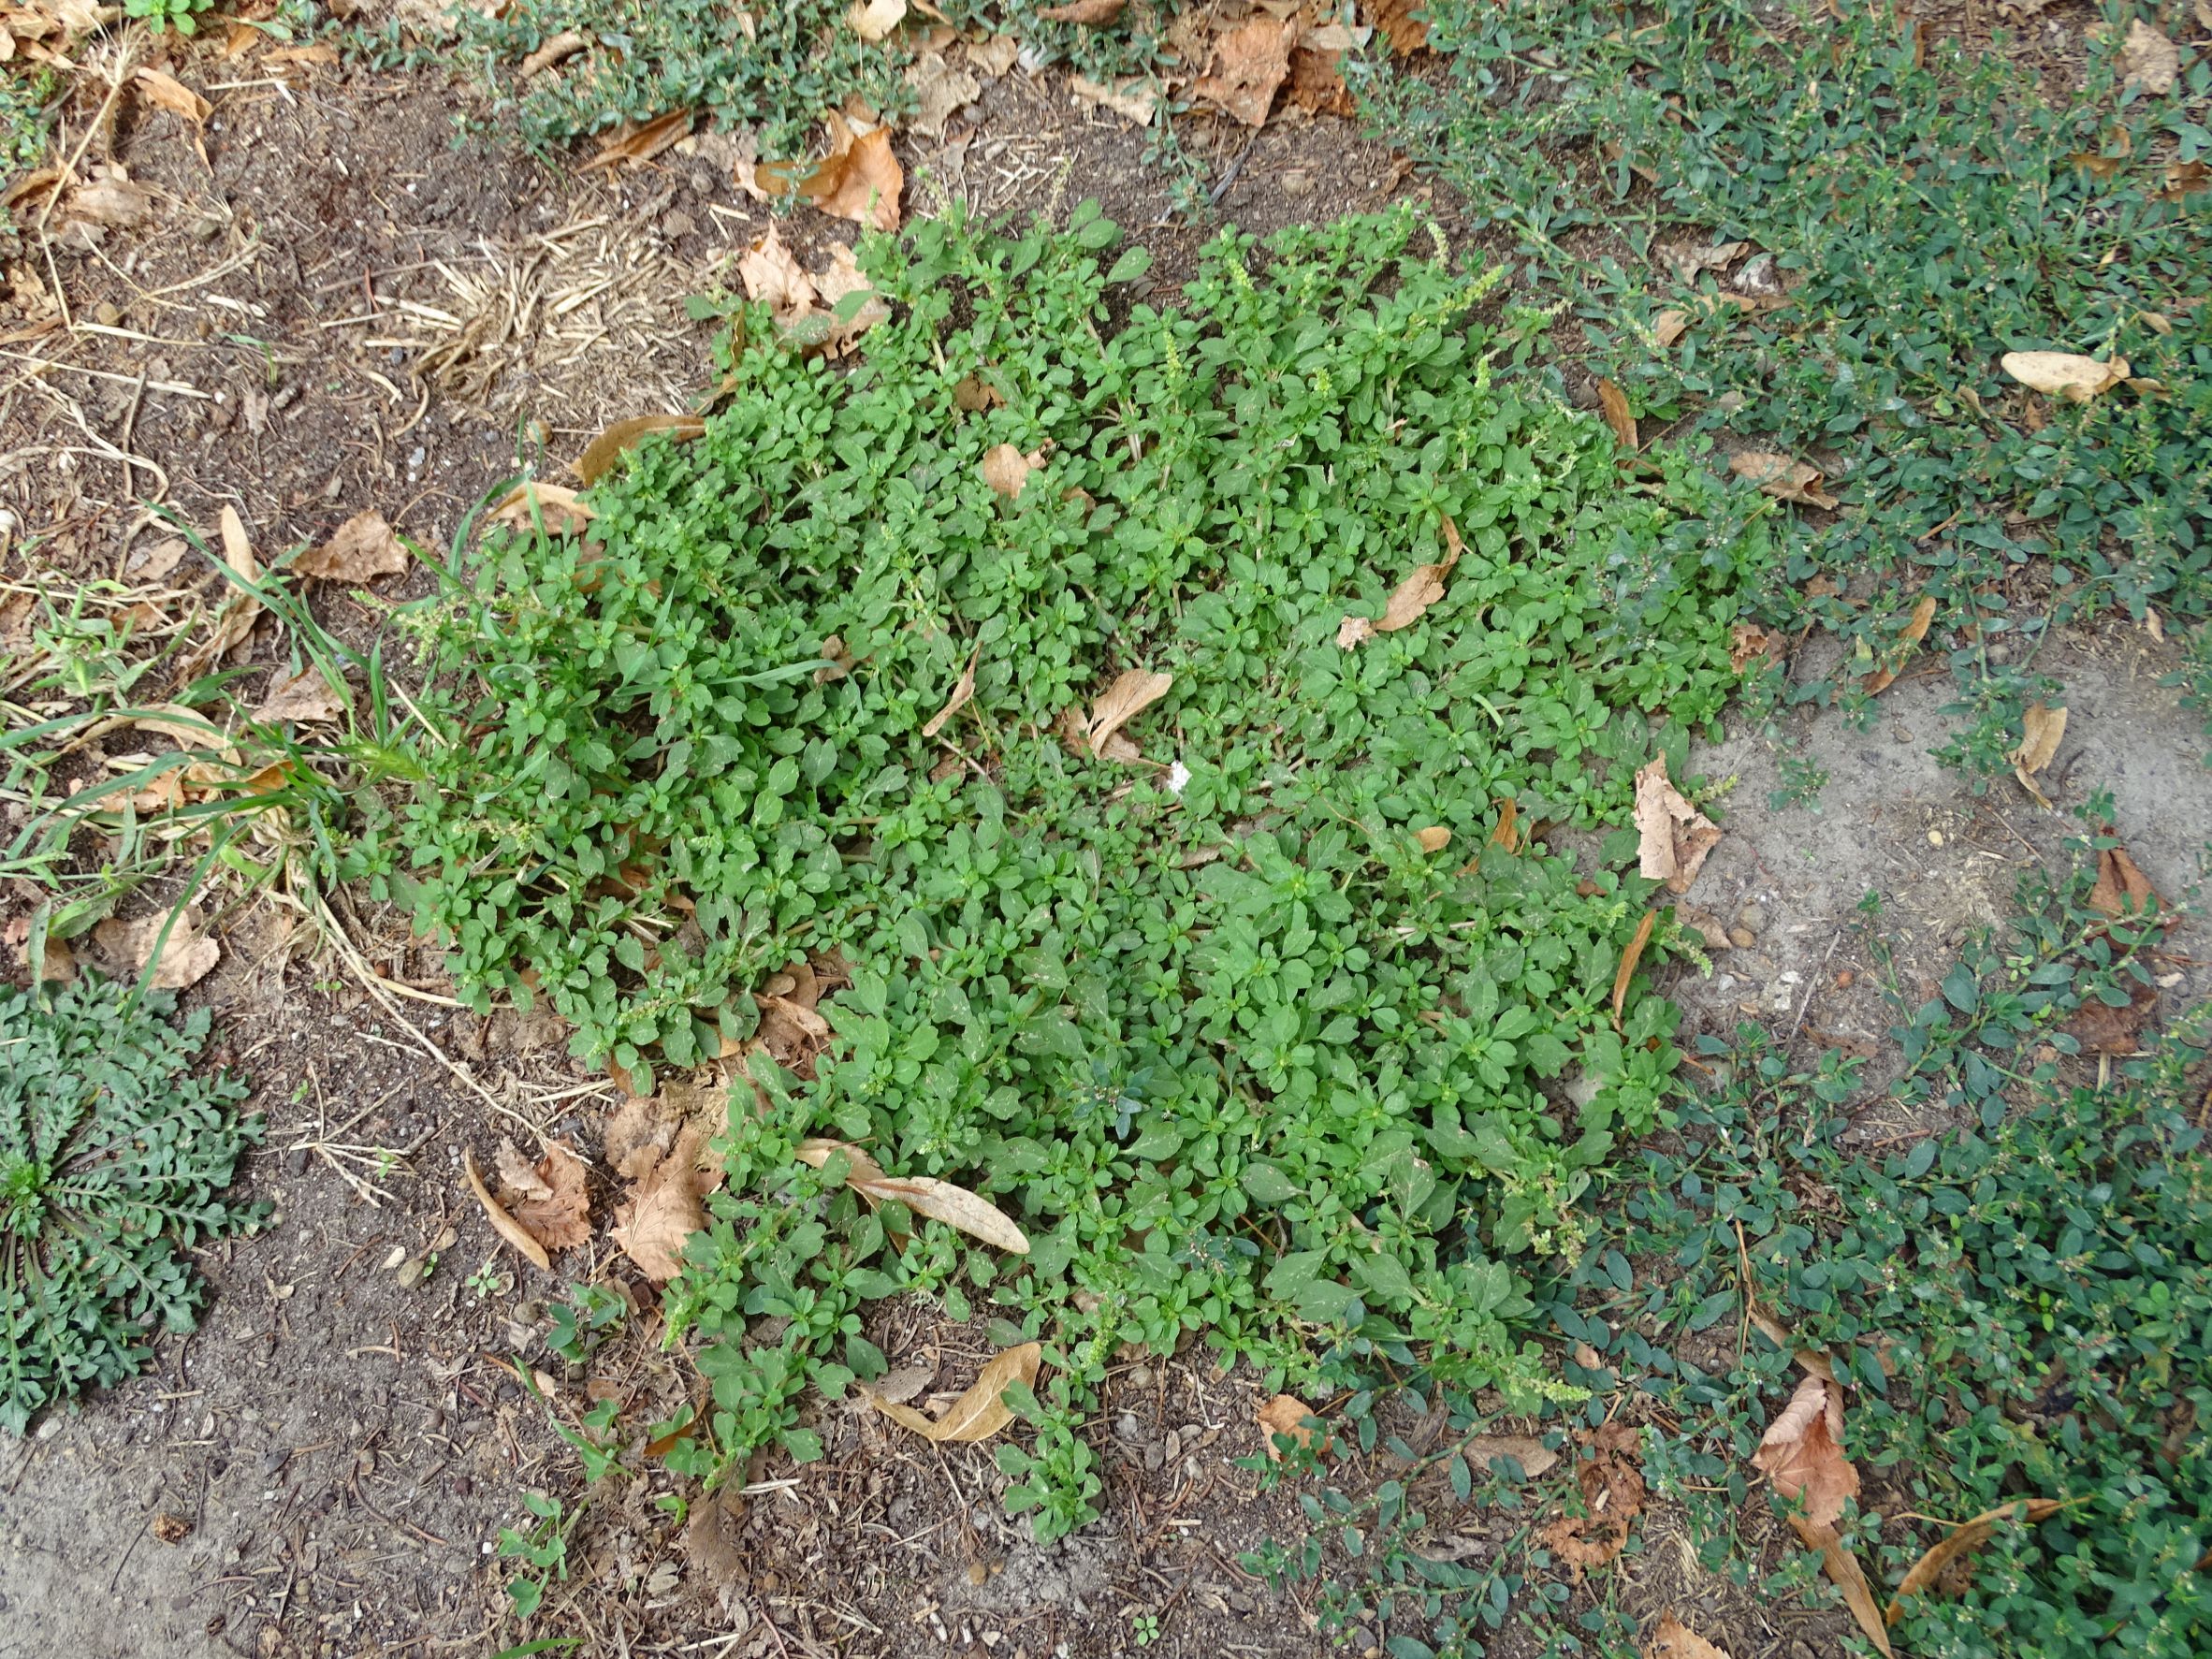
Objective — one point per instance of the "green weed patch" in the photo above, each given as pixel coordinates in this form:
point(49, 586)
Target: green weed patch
point(1276, 1026)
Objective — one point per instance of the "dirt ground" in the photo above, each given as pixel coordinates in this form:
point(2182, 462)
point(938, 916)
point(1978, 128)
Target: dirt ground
point(330, 307)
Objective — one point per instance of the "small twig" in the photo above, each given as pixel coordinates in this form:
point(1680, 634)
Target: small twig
point(1812, 984)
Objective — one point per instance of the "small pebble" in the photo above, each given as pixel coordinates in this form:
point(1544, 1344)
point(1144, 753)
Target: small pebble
point(1752, 916)
point(1742, 938)
point(275, 1458)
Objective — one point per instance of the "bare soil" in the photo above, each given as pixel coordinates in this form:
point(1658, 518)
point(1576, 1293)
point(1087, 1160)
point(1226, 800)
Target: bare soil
point(333, 307)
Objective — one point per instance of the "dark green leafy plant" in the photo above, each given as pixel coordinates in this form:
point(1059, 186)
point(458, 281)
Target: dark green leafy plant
point(113, 1159)
point(1243, 1054)
point(1917, 211)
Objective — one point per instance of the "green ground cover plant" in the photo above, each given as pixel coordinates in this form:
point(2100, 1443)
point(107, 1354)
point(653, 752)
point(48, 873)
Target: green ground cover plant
point(1276, 1025)
point(1922, 209)
point(2019, 1306)
point(113, 1161)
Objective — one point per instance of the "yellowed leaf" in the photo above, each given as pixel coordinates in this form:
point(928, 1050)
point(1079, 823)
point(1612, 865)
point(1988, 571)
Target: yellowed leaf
point(358, 550)
point(962, 692)
point(1784, 477)
point(662, 1209)
point(1802, 1451)
point(1285, 1415)
point(1131, 692)
point(926, 1195)
point(1964, 1538)
point(165, 92)
point(1613, 403)
point(502, 1223)
point(306, 697)
point(1436, 838)
point(600, 454)
point(2063, 375)
point(2042, 728)
point(872, 20)
point(1882, 678)
point(563, 511)
point(1845, 1572)
point(1673, 835)
point(981, 1411)
point(1629, 958)
point(1673, 1639)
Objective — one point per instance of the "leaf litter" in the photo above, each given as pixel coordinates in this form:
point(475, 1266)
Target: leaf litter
point(359, 550)
point(1802, 1454)
point(926, 1195)
point(1285, 1415)
point(1131, 692)
point(978, 1413)
point(1610, 1480)
point(549, 1199)
point(1673, 837)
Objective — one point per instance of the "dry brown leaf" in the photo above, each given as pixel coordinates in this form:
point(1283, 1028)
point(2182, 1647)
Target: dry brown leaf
point(548, 1198)
point(556, 48)
point(1674, 836)
point(1317, 78)
point(1845, 1572)
point(963, 691)
point(306, 697)
point(941, 1200)
point(1413, 597)
point(159, 560)
point(1673, 1639)
point(2123, 889)
point(662, 1211)
point(1133, 691)
point(187, 956)
point(842, 278)
point(1613, 401)
point(358, 550)
point(638, 1135)
point(1750, 645)
point(600, 454)
point(1802, 1451)
point(860, 179)
point(1674, 322)
point(940, 89)
point(1531, 1453)
point(1629, 958)
point(1091, 13)
point(2183, 179)
point(1507, 833)
point(2042, 728)
point(1132, 100)
point(995, 56)
point(1881, 679)
point(1006, 469)
point(240, 610)
point(167, 92)
point(1285, 1415)
point(502, 1223)
point(2148, 59)
point(872, 20)
point(1783, 477)
point(1436, 838)
point(1611, 1483)
point(1354, 631)
point(981, 1412)
point(1705, 925)
point(1403, 22)
point(640, 144)
point(773, 276)
point(564, 512)
point(1963, 1539)
point(1250, 63)
point(2063, 375)
point(973, 393)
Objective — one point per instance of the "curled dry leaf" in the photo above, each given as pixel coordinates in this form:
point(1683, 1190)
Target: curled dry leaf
point(662, 1209)
point(1629, 958)
point(1882, 678)
point(1845, 1572)
point(1412, 598)
point(2062, 374)
point(1751, 646)
point(600, 454)
point(1131, 692)
point(981, 1411)
point(1250, 63)
point(1802, 1451)
point(1507, 833)
point(548, 1198)
point(2123, 889)
point(1962, 1541)
point(1613, 403)
point(187, 955)
point(1092, 14)
point(306, 697)
point(1673, 1639)
point(563, 511)
point(502, 1223)
point(640, 144)
point(859, 179)
point(1317, 78)
point(994, 56)
point(1436, 838)
point(1285, 1415)
point(1784, 477)
point(2042, 730)
point(962, 692)
point(556, 48)
point(941, 1200)
point(2148, 59)
point(358, 550)
point(1673, 835)
point(165, 92)
point(1133, 99)
point(873, 19)
point(1612, 1482)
